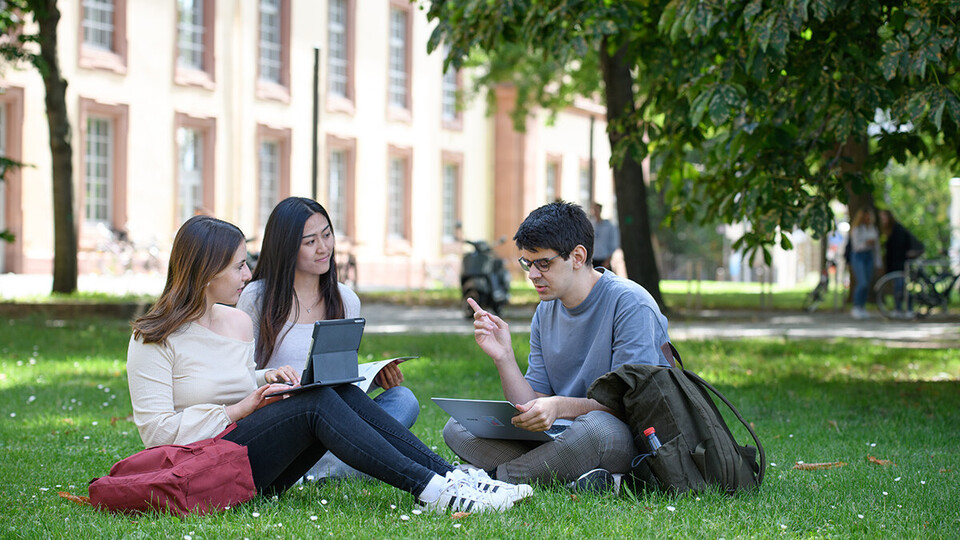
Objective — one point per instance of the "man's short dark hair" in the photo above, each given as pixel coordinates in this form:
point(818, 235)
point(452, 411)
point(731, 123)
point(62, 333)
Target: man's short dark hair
point(560, 226)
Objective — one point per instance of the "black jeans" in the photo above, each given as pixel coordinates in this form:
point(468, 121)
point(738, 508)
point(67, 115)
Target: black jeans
point(286, 438)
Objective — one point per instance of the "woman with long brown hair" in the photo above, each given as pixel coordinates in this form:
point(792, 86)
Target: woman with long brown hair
point(294, 285)
point(191, 374)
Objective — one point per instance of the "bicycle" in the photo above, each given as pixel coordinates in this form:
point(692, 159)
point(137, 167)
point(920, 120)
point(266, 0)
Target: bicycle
point(916, 291)
point(815, 297)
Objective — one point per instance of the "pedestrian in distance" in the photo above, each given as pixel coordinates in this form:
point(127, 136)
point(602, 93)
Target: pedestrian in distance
point(294, 285)
point(606, 237)
point(191, 373)
point(864, 258)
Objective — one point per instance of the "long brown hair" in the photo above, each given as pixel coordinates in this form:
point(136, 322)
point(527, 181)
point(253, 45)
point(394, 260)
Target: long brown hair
point(277, 266)
point(203, 247)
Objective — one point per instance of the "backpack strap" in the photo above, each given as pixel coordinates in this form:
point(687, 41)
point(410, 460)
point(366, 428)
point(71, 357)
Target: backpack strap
point(671, 354)
point(705, 384)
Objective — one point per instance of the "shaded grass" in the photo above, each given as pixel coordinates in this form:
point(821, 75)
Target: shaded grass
point(64, 404)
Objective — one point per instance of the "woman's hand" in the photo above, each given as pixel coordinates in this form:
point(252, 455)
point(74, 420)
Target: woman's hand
point(285, 374)
point(389, 376)
point(258, 398)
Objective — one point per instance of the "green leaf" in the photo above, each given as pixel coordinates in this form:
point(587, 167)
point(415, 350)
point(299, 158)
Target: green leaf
point(821, 9)
point(751, 10)
point(699, 106)
point(719, 110)
point(953, 108)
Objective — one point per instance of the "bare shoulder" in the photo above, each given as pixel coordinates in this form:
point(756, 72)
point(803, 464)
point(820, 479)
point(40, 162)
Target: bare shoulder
point(233, 323)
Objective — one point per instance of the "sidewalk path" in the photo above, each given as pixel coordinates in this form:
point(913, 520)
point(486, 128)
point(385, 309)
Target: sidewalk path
point(935, 332)
point(938, 331)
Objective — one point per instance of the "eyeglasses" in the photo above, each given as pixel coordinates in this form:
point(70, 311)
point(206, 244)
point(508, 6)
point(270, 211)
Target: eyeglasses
point(542, 264)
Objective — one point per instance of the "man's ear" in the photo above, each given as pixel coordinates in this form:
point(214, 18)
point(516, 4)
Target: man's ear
point(579, 256)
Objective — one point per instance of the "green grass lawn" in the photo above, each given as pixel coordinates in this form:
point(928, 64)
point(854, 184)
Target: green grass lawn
point(64, 409)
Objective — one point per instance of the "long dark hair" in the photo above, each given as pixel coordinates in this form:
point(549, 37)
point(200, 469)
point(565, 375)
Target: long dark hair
point(203, 247)
point(277, 266)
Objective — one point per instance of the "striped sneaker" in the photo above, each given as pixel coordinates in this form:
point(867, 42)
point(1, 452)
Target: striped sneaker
point(479, 479)
point(459, 496)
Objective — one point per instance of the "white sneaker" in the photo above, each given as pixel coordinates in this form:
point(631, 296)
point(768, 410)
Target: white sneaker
point(859, 313)
point(479, 479)
point(458, 496)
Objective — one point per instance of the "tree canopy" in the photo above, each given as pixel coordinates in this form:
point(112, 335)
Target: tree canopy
point(751, 111)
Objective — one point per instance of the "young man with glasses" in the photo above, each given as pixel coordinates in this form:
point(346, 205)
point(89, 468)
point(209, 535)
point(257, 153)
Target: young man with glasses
point(589, 322)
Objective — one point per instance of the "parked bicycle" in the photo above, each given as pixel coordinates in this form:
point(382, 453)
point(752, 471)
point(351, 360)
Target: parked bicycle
point(921, 288)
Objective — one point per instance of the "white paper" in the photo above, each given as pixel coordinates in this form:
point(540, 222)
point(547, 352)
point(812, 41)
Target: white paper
point(369, 371)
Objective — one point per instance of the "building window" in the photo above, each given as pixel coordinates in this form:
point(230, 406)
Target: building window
point(269, 179)
point(395, 197)
point(190, 192)
point(98, 24)
point(103, 191)
point(450, 101)
point(11, 189)
point(98, 173)
point(190, 34)
point(399, 57)
point(103, 35)
point(450, 197)
point(340, 184)
point(551, 191)
point(586, 184)
point(274, 171)
point(398, 197)
point(195, 172)
point(195, 40)
point(270, 41)
point(274, 79)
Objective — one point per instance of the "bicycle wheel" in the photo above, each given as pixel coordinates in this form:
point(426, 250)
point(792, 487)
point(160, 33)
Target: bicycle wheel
point(886, 295)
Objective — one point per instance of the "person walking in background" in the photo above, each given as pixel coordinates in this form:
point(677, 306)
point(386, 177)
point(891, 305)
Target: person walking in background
point(899, 246)
point(294, 285)
point(606, 238)
point(864, 257)
point(191, 374)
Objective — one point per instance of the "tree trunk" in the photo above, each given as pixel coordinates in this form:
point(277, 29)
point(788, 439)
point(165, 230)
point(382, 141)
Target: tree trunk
point(629, 185)
point(64, 225)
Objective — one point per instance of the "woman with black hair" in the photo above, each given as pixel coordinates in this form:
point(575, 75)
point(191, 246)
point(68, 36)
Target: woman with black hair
point(294, 285)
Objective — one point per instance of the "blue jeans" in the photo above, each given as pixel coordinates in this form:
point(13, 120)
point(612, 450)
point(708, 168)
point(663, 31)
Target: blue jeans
point(862, 263)
point(400, 403)
point(286, 438)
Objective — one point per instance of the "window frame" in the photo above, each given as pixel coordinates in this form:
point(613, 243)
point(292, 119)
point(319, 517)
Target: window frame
point(208, 126)
point(447, 158)
point(455, 123)
point(190, 76)
point(349, 147)
point(401, 244)
point(554, 160)
point(118, 114)
point(283, 138)
point(115, 59)
point(11, 99)
point(585, 166)
point(395, 112)
point(275, 90)
point(335, 102)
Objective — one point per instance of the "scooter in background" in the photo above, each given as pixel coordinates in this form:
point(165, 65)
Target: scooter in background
point(484, 278)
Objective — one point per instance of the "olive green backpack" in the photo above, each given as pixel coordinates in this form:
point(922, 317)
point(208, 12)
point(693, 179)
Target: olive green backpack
point(698, 451)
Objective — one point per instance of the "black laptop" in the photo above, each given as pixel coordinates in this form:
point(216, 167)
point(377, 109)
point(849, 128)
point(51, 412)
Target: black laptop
point(333, 355)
